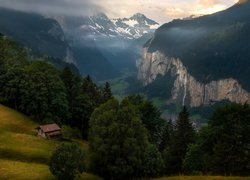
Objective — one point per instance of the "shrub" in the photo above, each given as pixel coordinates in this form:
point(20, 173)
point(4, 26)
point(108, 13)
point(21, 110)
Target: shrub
point(67, 161)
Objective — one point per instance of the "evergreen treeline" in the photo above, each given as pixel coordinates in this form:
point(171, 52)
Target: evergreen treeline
point(124, 145)
point(127, 139)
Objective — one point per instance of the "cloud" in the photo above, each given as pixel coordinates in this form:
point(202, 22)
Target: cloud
point(211, 6)
point(176, 12)
point(54, 7)
point(160, 10)
point(196, 7)
point(209, 3)
point(164, 10)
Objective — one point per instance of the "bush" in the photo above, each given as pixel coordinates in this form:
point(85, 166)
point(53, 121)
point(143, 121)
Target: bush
point(154, 164)
point(67, 161)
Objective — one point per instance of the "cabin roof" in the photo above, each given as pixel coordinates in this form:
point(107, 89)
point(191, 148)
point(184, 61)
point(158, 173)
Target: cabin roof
point(49, 128)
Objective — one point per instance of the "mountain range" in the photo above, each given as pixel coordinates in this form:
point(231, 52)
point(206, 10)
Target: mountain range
point(100, 25)
point(200, 61)
point(119, 40)
point(93, 44)
point(42, 35)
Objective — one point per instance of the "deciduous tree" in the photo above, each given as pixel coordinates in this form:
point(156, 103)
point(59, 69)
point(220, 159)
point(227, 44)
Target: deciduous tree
point(67, 162)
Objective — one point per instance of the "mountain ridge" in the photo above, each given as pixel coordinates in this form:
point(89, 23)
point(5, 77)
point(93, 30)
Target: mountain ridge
point(116, 39)
point(204, 50)
point(131, 28)
point(43, 35)
point(46, 37)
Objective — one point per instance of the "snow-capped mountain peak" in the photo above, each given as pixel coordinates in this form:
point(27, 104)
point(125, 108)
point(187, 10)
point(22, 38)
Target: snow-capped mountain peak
point(142, 19)
point(128, 28)
point(139, 15)
point(100, 16)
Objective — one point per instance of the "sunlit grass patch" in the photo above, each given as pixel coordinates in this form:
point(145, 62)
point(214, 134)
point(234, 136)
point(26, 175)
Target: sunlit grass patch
point(23, 171)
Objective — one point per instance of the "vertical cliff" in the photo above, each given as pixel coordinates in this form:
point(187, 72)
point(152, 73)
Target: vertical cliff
point(186, 89)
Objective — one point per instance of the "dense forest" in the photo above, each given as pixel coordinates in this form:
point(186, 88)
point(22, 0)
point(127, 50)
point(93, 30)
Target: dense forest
point(127, 139)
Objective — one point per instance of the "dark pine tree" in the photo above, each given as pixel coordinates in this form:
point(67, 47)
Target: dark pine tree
point(167, 136)
point(150, 116)
point(106, 93)
point(222, 147)
point(90, 89)
point(184, 135)
point(229, 130)
point(72, 83)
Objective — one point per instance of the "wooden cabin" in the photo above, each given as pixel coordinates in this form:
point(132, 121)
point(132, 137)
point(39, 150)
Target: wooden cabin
point(49, 131)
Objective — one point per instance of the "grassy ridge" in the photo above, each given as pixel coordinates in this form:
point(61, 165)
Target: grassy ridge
point(23, 155)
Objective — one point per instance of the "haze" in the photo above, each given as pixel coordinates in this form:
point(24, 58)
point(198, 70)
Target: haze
point(159, 10)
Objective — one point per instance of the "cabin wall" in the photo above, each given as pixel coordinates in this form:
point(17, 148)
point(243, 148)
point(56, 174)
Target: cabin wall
point(41, 133)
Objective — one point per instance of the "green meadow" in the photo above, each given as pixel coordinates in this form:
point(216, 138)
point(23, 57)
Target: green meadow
point(23, 155)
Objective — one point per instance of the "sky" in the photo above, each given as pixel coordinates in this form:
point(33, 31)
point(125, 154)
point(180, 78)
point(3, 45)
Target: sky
point(159, 10)
point(166, 10)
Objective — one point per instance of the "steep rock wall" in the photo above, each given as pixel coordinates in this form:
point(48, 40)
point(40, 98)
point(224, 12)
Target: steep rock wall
point(186, 89)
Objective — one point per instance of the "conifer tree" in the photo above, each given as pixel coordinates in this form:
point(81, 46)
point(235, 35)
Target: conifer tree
point(150, 116)
point(90, 89)
point(167, 136)
point(107, 93)
point(229, 146)
point(184, 135)
point(72, 83)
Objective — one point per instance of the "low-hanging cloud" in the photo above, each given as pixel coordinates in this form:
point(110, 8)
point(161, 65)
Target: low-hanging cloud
point(54, 7)
point(160, 10)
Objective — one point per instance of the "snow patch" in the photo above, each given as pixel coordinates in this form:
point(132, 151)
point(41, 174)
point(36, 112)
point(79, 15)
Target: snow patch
point(131, 22)
point(124, 31)
point(97, 25)
point(155, 26)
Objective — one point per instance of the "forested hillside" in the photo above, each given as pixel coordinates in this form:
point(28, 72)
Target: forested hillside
point(212, 47)
point(127, 139)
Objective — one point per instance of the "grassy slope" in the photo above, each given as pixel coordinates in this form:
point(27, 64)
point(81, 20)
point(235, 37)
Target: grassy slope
point(23, 155)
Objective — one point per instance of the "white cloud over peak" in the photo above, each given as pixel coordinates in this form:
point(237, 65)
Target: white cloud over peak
point(62, 7)
point(159, 10)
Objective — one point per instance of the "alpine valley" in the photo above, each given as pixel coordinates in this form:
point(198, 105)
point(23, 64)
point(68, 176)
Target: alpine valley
point(84, 96)
point(95, 45)
point(119, 40)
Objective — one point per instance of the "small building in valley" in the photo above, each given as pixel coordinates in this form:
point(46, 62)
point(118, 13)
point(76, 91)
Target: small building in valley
point(49, 131)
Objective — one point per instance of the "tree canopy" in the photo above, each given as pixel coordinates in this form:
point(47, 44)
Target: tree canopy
point(119, 143)
point(223, 146)
point(67, 162)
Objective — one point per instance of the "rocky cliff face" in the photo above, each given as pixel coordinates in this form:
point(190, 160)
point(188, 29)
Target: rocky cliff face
point(55, 31)
point(42, 35)
point(186, 89)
